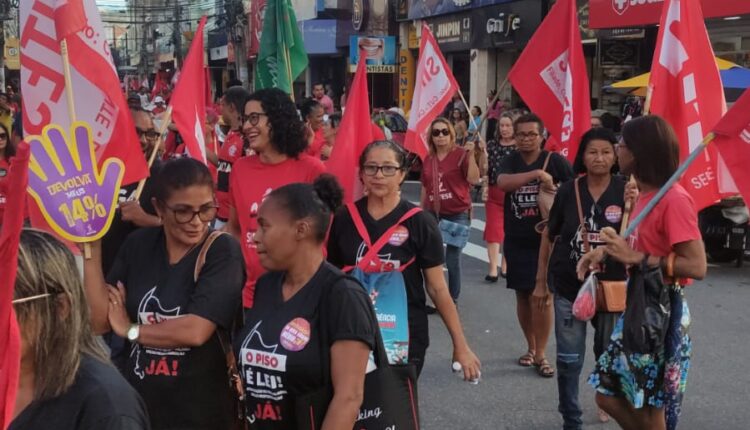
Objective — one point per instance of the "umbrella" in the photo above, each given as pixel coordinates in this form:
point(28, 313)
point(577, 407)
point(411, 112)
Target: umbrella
point(641, 81)
point(736, 77)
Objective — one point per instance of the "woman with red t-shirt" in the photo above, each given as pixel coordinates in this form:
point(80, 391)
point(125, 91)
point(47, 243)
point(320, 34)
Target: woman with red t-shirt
point(646, 390)
point(313, 115)
point(277, 137)
point(448, 172)
point(6, 151)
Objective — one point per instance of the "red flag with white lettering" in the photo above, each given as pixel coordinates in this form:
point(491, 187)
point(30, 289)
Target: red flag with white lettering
point(97, 97)
point(687, 92)
point(434, 88)
point(551, 77)
point(189, 99)
point(733, 142)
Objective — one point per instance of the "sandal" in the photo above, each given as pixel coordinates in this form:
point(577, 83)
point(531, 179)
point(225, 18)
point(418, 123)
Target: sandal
point(544, 368)
point(526, 360)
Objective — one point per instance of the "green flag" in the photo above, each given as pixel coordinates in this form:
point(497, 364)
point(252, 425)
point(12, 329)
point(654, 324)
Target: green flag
point(282, 55)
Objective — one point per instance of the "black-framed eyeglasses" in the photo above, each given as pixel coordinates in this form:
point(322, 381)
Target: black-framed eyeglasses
point(252, 118)
point(522, 136)
point(184, 215)
point(3, 135)
point(372, 170)
point(150, 134)
point(438, 131)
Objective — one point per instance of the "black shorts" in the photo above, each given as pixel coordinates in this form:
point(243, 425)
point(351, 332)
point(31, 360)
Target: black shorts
point(522, 261)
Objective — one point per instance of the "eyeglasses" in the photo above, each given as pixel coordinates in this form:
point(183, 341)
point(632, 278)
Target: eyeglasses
point(252, 118)
point(372, 170)
point(183, 215)
point(438, 131)
point(3, 136)
point(522, 136)
point(150, 134)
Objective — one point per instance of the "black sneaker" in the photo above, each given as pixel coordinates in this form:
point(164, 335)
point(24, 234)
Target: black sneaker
point(430, 310)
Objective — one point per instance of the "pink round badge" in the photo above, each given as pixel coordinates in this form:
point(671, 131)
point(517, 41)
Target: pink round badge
point(295, 335)
point(613, 213)
point(399, 236)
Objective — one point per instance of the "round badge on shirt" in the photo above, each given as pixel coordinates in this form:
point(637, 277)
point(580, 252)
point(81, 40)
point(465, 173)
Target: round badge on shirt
point(295, 335)
point(613, 213)
point(399, 236)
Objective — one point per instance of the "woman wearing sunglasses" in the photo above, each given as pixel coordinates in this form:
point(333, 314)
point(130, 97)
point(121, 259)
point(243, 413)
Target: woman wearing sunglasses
point(7, 150)
point(170, 315)
point(66, 379)
point(414, 249)
point(448, 173)
point(277, 136)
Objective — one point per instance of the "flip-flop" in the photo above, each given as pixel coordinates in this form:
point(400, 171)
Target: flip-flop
point(526, 360)
point(544, 368)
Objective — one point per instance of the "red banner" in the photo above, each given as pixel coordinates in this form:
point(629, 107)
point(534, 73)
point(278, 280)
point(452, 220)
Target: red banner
point(733, 142)
point(630, 13)
point(257, 12)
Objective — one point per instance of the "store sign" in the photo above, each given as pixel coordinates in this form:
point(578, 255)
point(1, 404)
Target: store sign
point(420, 9)
point(619, 53)
point(380, 50)
point(305, 9)
point(627, 13)
point(622, 33)
point(12, 54)
point(452, 32)
point(319, 36)
point(510, 24)
point(406, 74)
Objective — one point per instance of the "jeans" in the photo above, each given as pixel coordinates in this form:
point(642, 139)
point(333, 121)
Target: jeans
point(570, 335)
point(453, 257)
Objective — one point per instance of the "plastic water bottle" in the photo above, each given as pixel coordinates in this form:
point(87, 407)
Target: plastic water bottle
point(456, 368)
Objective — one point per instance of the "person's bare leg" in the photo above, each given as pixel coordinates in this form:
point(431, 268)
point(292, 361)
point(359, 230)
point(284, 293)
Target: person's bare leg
point(525, 318)
point(493, 249)
point(503, 265)
point(619, 409)
point(542, 319)
point(651, 418)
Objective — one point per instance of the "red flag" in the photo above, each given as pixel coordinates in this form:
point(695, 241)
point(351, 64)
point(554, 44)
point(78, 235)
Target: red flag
point(189, 99)
point(352, 136)
point(551, 77)
point(70, 17)
point(733, 142)
point(686, 90)
point(434, 88)
point(10, 341)
point(97, 96)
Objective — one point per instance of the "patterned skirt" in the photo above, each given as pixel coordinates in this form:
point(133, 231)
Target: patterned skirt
point(656, 380)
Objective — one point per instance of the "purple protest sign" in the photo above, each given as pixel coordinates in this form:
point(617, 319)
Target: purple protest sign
point(76, 197)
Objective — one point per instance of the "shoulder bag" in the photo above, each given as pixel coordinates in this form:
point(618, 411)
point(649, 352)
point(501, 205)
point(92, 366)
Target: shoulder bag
point(233, 374)
point(390, 393)
point(453, 233)
point(610, 295)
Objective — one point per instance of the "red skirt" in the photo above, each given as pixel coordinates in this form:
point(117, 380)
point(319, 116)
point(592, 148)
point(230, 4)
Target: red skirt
point(494, 228)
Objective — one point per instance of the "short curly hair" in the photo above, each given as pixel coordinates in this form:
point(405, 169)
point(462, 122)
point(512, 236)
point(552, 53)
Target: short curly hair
point(287, 129)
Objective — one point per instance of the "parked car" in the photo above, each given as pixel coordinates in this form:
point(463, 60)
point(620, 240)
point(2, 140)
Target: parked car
point(397, 125)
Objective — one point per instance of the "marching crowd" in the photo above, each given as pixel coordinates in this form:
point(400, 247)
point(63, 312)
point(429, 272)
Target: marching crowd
point(229, 294)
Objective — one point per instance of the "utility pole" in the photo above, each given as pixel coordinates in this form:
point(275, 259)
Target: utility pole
point(177, 35)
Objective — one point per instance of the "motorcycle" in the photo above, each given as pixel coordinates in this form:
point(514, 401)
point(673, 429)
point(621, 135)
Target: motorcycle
point(725, 231)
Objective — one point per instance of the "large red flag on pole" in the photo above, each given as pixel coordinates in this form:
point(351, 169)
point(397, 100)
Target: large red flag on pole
point(551, 77)
point(12, 222)
point(434, 88)
point(189, 99)
point(353, 135)
point(95, 87)
point(732, 138)
point(686, 90)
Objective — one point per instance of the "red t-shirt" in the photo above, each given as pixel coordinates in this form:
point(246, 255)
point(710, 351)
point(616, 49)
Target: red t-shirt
point(673, 220)
point(317, 144)
point(4, 170)
point(250, 182)
point(453, 188)
point(229, 153)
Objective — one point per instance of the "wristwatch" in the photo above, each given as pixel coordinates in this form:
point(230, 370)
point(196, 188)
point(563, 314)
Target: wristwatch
point(134, 332)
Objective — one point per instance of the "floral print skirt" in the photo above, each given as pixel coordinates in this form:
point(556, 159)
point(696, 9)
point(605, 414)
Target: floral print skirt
point(656, 380)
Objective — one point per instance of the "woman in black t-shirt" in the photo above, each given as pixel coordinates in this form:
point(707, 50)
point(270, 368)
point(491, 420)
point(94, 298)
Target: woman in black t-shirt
point(417, 243)
point(171, 317)
point(310, 326)
point(602, 205)
point(66, 380)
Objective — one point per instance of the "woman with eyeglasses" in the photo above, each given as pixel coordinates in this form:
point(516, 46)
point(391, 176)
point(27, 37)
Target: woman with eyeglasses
point(173, 318)
point(448, 173)
point(66, 380)
point(277, 136)
point(7, 150)
point(414, 249)
point(599, 202)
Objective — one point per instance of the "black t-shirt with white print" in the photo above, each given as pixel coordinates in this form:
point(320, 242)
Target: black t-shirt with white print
point(565, 229)
point(521, 208)
point(184, 388)
point(280, 348)
point(418, 238)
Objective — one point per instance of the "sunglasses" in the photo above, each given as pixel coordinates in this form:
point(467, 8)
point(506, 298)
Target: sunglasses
point(438, 131)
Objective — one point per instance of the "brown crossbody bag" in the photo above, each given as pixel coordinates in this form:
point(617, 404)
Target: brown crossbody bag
point(610, 295)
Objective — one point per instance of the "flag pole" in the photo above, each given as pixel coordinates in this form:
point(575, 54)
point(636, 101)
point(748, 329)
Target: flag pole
point(672, 180)
point(152, 157)
point(492, 102)
point(289, 70)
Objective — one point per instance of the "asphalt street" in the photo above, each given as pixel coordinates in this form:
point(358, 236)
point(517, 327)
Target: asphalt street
point(513, 397)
